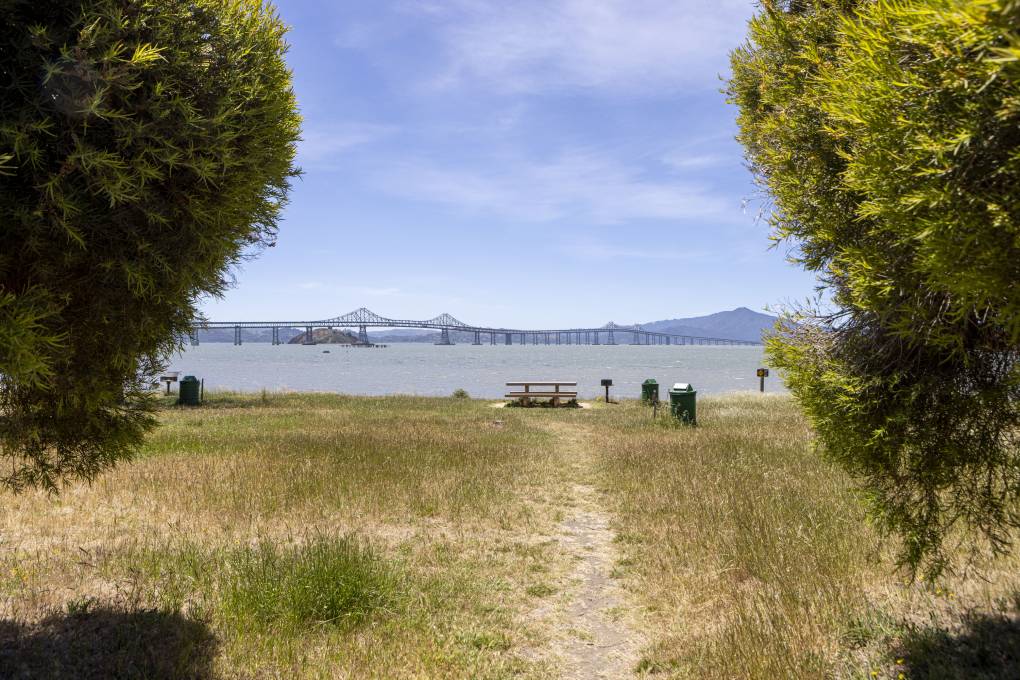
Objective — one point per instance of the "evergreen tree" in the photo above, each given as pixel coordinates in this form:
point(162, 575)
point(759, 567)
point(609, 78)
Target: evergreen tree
point(146, 146)
point(888, 135)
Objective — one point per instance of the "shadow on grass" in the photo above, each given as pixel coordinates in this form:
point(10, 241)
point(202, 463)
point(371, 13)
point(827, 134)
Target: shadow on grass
point(986, 647)
point(106, 643)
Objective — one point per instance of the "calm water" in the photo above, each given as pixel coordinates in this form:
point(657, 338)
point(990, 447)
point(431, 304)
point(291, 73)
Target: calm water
point(410, 368)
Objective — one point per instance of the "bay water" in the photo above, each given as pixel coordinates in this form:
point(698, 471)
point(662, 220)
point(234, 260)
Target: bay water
point(431, 370)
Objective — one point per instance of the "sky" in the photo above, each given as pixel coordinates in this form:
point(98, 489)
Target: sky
point(535, 163)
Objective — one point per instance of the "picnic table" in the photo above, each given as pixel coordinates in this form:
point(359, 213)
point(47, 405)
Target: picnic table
point(551, 390)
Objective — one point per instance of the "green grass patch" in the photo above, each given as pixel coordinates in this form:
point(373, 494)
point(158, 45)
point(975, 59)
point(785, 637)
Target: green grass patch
point(540, 590)
point(328, 581)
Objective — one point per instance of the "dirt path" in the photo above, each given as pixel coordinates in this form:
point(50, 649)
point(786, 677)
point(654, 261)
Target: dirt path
point(591, 622)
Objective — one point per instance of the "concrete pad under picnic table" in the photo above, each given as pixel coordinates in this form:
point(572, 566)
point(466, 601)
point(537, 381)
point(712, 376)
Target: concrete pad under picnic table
point(503, 404)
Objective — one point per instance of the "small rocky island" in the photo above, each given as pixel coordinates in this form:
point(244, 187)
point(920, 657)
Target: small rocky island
point(326, 336)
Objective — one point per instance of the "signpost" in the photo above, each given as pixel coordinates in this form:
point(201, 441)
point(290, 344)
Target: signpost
point(763, 373)
point(607, 383)
point(168, 378)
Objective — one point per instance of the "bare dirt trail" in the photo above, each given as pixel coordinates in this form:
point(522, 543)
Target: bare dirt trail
point(591, 623)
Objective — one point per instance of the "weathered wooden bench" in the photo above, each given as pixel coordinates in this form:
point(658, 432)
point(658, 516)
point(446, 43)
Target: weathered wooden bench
point(555, 393)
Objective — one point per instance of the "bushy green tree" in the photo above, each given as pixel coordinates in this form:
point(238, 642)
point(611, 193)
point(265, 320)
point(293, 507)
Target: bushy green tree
point(145, 147)
point(888, 135)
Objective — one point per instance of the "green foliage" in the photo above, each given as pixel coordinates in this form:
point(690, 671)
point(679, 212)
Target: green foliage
point(461, 393)
point(145, 147)
point(888, 134)
point(339, 582)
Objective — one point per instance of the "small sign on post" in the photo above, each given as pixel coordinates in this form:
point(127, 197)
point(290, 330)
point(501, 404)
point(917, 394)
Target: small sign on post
point(607, 383)
point(168, 378)
point(763, 373)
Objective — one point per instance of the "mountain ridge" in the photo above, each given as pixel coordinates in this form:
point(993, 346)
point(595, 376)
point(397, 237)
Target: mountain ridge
point(734, 324)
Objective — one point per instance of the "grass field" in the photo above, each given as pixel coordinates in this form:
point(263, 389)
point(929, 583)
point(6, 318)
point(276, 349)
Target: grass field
point(323, 536)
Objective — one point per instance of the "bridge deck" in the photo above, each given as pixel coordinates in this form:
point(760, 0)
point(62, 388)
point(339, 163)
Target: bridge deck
point(363, 319)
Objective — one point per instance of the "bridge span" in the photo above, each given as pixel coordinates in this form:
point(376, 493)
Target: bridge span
point(363, 319)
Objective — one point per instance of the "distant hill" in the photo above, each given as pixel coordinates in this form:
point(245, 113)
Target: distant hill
point(737, 324)
point(421, 335)
point(247, 335)
point(404, 335)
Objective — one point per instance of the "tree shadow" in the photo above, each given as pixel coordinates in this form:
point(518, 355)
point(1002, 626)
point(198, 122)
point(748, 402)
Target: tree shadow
point(985, 647)
point(107, 643)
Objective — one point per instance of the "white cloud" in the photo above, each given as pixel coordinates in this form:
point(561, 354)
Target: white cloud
point(579, 185)
point(687, 161)
point(604, 252)
point(628, 45)
point(321, 146)
point(346, 289)
point(367, 291)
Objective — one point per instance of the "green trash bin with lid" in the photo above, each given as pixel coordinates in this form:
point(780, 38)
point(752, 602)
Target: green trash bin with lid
point(683, 403)
point(189, 391)
point(650, 391)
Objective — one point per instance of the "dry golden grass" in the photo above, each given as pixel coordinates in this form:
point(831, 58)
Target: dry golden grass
point(447, 494)
point(754, 559)
point(322, 536)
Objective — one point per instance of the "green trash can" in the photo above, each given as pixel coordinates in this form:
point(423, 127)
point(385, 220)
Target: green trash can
point(189, 391)
point(683, 403)
point(650, 391)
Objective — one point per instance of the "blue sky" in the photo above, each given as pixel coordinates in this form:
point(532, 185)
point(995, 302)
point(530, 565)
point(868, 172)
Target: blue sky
point(535, 163)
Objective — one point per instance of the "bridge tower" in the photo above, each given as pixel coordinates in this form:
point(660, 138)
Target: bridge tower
point(444, 337)
point(309, 338)
point(276, 335)
point(363, 334)
point(478, 338)
point(193, 337)
point(237, 335)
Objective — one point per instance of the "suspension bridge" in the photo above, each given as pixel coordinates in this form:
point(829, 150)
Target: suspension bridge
point(363, 319)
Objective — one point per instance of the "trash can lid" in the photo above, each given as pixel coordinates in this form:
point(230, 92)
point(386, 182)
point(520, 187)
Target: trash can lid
point(650, 381)
point(683, 387)
point(189, 378)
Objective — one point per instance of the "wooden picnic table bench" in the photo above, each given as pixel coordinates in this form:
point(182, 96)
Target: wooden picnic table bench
point(555, 393)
